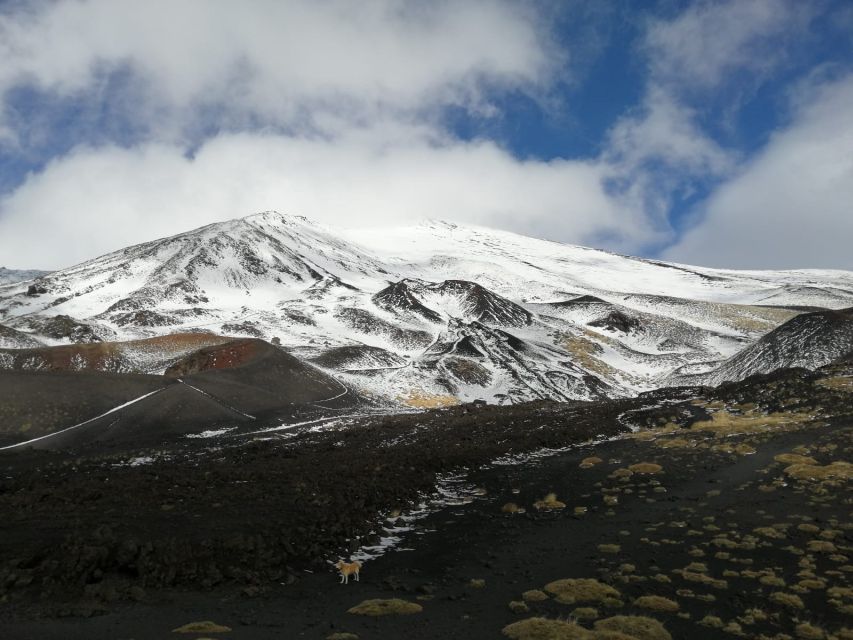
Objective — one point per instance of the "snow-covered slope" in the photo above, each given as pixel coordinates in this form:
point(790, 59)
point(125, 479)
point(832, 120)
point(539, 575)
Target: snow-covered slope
point(811, 340)
point(425, 314)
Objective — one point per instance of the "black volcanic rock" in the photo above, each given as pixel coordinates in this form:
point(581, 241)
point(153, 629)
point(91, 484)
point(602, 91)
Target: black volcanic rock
point(366, 322)
point(580, 300)
point(486, 306)
point(616, 321)
point(12, 338)
point(64, 327)
point(398, 298)
point(358, 356)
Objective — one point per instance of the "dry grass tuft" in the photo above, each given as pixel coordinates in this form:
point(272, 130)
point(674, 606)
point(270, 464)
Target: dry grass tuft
point(204, 626)
point(808, 528)
point(545, 629)
point(572, 590)
point(807, 631)
point(534, 595)
point(838, 470)
point(794, 458)
point(588, 463)
point(585, 613)
point(712, 621)
point(621, 473)
point(701, 578)
point(609, 548)
point(787, 600)
point(518, 606)
point(723, 423)
point(838, 383)
point(821, 546)
point(511, 507)
point(638, 627)
point(424, 400)
point(548, 503)
point(656, 603)
point(379, 607)
point(584, 351)
point(645, 468)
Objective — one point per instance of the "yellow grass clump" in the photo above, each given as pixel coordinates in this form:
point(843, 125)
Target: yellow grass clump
point(838, 383)
point(549, 502)
point(787, 600)
point(584, 351)
point(203, 626)
point(379, 607)
point(585, 613)
point(674, 443)
point(609, 548)
point(645, 468)
point(723, 423)
point(621, 473)
point(821, 546)
point(838, 470)
point(807, 631)
point(588, 463)
point(545, 629)
point(701, 578)
point(511, 507)
point(639, 627)
point(425, 400)
point(656, 603)
point(572, 590)
point(534, 595)
point(518, 606)
point(794, 458)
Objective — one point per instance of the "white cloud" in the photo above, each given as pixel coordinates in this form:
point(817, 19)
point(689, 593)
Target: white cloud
point(665, 132)
point(709, 41)
point(282, 62)
point(655, 152)
point(792, 205)
point(95, 200)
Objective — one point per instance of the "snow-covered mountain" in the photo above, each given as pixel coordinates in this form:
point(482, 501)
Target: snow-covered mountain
point(9, 276)
point(425, 314)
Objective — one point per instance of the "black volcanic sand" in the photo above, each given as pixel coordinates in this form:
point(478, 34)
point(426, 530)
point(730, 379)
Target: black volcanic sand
point(244, 382)
point(743, 544)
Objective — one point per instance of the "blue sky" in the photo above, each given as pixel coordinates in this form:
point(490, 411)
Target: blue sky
point(714, 133)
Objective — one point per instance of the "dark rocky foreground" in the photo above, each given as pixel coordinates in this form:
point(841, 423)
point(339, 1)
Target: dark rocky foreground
point(738, 516)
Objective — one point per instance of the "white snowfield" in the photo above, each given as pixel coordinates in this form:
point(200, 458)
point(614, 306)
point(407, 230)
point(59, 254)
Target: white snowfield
point(547, 319)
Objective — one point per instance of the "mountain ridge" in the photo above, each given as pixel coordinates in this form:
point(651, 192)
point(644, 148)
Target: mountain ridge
point(552, 320)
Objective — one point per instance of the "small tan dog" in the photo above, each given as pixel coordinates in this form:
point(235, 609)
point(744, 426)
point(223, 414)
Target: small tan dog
point(347, 569)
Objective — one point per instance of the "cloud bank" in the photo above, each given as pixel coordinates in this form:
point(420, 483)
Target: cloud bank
point(792, 205)
point(201, 111)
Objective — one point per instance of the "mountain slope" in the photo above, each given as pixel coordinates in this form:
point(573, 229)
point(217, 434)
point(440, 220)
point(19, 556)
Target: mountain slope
point(811, 340)
point(376, 307)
